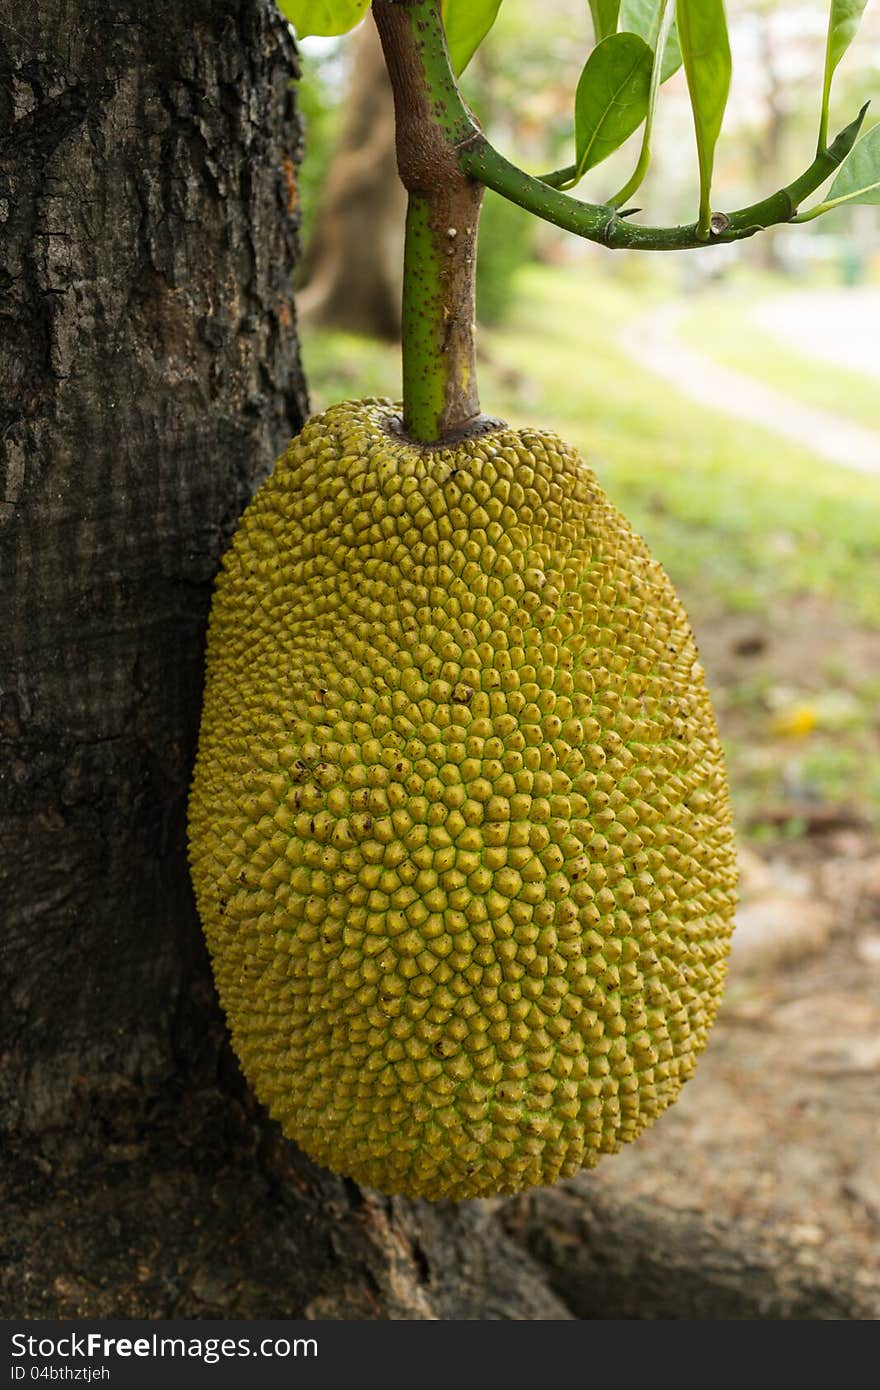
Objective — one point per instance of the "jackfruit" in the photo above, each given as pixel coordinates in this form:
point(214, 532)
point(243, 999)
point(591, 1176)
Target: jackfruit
point(459, 827)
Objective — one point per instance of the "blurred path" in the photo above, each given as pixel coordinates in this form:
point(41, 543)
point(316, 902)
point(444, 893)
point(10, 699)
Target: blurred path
point(654, 343)
point(837, 326)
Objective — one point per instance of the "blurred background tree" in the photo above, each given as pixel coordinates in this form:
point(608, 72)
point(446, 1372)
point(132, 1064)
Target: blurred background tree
point(354, 260)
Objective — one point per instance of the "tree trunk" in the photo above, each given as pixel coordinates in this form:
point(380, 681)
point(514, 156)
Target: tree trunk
point(354, 264)
point(150, 372)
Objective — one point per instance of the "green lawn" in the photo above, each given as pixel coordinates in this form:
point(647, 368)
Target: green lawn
point(751, 528)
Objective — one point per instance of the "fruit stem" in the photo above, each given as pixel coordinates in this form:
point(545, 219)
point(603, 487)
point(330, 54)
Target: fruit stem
point(440, 394)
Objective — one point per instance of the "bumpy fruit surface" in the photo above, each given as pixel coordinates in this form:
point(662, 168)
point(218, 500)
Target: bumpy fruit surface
point(460, 832)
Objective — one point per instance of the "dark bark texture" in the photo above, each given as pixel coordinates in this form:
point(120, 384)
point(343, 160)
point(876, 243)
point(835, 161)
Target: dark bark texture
point(149, 373)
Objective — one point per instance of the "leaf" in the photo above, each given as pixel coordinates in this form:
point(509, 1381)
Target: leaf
point(705, 49)
point(323, 16)
point(643, 17)
point(859, 179)
point(604, 14)
point(467, 22)
point(612, 98)
point(665, 12)
point(843, 21)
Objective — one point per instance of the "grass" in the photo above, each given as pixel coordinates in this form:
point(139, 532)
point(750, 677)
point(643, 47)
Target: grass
point(749, 527)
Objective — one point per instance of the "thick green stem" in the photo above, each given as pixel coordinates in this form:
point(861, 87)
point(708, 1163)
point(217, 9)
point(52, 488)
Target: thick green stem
point(439, 376)
point(440, 396)
point(423, 385)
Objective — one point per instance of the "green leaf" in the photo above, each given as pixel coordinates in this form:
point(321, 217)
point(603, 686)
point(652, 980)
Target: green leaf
point(467, 22)
point(644, 17)
point(661, 36)
point(843, 21)
point(612, 98)
point(859, 179)
point(323, 16)
point(604, 14)
point(705, 49)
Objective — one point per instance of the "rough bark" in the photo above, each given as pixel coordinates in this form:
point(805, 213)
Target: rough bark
point(149, 373)
point(354, 262)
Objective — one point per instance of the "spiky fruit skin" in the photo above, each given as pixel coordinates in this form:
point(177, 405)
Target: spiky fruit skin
point(460, 831)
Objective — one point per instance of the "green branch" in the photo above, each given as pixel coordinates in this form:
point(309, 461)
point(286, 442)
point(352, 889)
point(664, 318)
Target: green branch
point(561, 178)
point(595, 221)
point(603, 224)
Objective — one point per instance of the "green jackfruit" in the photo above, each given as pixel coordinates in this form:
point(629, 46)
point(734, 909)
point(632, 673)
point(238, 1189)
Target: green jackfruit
point(460, 832)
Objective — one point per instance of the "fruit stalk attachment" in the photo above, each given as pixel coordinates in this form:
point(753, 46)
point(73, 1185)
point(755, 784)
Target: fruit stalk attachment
point(440, 395)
